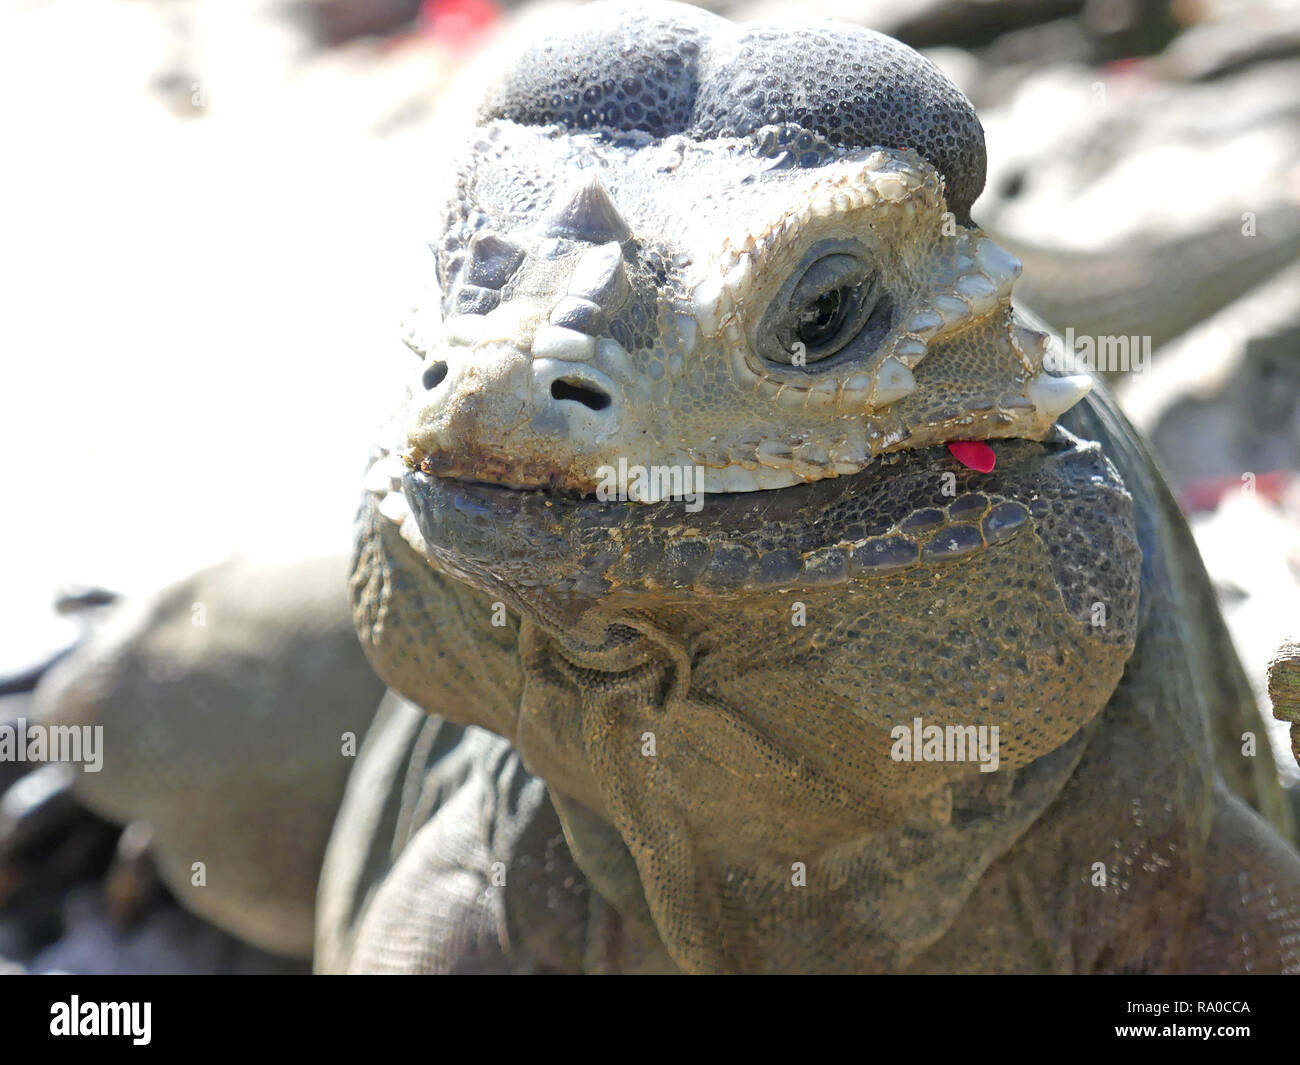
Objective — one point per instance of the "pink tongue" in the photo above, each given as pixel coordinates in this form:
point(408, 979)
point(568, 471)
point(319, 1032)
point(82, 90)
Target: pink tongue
point(974, 453)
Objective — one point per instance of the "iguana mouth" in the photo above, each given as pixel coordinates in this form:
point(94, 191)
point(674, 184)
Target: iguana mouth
point(908, 509)
point(508, 488)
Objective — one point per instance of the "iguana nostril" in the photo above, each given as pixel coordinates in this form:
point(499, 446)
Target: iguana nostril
point(433, 375)
point(580, 393)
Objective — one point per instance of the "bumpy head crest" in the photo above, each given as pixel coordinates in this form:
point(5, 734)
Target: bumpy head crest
point(679, 70)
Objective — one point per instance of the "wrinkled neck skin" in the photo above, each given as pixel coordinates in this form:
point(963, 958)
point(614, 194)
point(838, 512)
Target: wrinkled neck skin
point(711, 697)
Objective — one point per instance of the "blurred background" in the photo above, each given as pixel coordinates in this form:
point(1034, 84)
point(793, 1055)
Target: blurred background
point(215, 215)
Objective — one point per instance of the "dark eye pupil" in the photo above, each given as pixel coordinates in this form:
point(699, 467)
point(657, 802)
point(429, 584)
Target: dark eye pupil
point(820, 320)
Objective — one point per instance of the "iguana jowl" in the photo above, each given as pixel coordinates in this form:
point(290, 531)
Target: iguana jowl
point(681, 243)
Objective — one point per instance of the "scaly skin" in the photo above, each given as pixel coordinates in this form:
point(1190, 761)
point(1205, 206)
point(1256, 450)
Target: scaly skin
point(723, 773)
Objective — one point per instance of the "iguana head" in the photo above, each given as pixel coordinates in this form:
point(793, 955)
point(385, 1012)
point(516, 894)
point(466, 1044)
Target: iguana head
point(686, 256)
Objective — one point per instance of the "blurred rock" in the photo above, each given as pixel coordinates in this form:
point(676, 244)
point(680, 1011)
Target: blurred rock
point(1248, 544)
point(331, 22)
point(1112, 190)
point(169, 942)
point(1232, 41)
point(1223, 402)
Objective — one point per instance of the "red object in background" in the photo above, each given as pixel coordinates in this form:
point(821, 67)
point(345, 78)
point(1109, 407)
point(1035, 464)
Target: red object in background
point(974, 453)
point(457, 23)
point(1207, 493)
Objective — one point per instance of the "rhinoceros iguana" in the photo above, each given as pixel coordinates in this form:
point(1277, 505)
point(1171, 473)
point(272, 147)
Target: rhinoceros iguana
point(706, 652)
point(668, 546)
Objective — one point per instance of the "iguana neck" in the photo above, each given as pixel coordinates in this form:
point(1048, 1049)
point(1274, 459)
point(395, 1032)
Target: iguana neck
point(702, 797)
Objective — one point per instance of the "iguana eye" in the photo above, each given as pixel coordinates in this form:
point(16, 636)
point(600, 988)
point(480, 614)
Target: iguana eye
point(821, 319)
point(821, 308)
